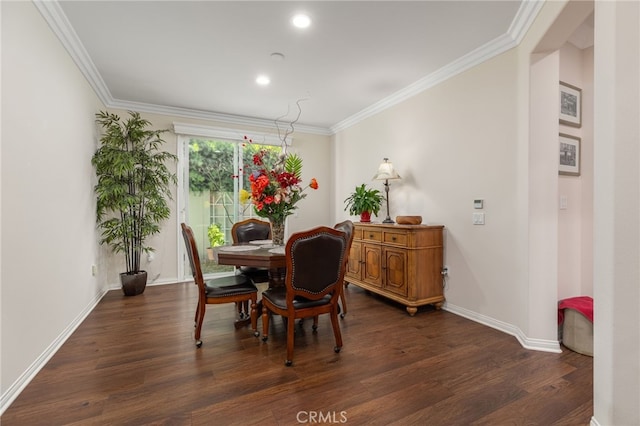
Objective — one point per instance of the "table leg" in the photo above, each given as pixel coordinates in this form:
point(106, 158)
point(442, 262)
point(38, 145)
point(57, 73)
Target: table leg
point(276, 277)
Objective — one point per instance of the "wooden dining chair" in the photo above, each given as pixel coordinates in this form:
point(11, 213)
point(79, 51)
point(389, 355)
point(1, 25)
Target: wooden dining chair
point(246, 231)
point(315, 272)
point(346, 227)
point(233, 289)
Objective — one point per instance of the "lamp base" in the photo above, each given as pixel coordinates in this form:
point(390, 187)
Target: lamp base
point(388, 220)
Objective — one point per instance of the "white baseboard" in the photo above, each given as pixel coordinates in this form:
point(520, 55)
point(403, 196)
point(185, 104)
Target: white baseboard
point(25, 378)
point(526, 342)
point(150, 283)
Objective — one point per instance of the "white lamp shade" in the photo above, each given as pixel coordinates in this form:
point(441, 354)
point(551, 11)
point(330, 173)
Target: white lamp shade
point(386, 171)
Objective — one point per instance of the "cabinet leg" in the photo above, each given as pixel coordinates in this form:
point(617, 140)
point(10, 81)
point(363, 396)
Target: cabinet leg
point(438, 305)
point(412, 311)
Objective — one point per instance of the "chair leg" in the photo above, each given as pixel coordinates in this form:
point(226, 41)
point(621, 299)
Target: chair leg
point(290, 338)
point(336, 329)
point(199, 319)
point(314, 327)
point(195, 319)
point(243, 309)
point(254, 315)
point(265, 322)
point(343, 301)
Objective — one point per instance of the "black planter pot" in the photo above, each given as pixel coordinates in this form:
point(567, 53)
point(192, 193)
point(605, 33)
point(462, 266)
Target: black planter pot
point(133, 284)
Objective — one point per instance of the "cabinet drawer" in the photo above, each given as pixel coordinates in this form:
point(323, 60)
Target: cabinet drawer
point(398, 238)
point(371, 235)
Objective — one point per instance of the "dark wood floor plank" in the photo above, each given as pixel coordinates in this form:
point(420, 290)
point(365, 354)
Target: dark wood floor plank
point(134, 362)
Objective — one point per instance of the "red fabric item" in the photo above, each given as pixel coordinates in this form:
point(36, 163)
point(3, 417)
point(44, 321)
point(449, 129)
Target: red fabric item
point(582, 304)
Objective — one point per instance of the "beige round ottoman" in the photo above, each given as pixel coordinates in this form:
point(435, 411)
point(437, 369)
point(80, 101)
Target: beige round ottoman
point(577, 332)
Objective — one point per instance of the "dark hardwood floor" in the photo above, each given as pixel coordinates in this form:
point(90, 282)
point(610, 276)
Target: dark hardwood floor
point(134, 362)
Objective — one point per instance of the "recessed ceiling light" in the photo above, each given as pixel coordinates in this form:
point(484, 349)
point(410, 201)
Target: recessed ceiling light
point(301, 21)
point(263, 80)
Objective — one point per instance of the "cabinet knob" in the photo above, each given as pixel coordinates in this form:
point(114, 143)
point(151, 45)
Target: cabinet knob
point(393, 238)
point(370, 235)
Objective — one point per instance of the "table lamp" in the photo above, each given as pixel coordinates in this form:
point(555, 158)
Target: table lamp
point(386, 173)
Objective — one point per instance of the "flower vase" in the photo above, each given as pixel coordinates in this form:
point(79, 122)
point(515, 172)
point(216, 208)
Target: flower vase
point(277, 232)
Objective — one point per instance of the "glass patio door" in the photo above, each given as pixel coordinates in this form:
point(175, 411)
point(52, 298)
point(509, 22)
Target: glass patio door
point(215, 191)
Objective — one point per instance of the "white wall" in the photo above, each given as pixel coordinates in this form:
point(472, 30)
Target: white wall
point(48, 210)
point(575, 230)
point(616, 216)
point(454, 143)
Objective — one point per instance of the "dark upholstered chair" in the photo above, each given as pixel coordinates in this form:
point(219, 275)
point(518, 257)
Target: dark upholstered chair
point(246, 231)
point(233, 289)
point(347, 228)
point(251, 230)
point(315, 271)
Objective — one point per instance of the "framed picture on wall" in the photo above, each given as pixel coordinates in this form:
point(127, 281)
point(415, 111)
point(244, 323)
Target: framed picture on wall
point(570, 105)
point(569, 155)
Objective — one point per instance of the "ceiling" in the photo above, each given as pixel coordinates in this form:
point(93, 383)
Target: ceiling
point(201, 58)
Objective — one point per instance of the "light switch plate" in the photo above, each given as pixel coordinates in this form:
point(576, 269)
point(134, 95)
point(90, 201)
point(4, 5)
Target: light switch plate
point(478, 218)
point(563, 202)
point(478, 204)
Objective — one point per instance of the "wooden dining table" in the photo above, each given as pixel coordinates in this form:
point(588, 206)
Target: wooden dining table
point(257, 256)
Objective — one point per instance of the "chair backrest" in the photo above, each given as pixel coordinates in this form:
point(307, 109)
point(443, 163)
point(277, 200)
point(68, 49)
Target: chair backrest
point(347, 228)
point(192, 254)
point(250, 230)
point(315, 263)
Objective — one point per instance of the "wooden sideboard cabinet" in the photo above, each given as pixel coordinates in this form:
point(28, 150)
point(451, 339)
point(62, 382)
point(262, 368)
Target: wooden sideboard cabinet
point(400, 262)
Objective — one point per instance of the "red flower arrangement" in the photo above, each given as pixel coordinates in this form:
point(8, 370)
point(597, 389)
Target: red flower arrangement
point(275, 189)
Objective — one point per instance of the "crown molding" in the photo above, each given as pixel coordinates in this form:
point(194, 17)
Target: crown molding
point(212, 116)
point(481, 54)
point(60, 25)
point(225, 133)
point(524, 18)
point(58, 22)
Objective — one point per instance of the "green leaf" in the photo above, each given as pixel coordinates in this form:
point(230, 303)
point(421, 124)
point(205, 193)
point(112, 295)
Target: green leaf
point(293, 164)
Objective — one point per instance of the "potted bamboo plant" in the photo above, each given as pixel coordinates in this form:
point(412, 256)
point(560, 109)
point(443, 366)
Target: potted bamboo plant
point(364, 201)
point(133, 189)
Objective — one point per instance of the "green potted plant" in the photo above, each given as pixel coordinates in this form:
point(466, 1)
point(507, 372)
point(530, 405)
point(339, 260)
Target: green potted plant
point(364, 201)
point(134, 184)
point(216, 238)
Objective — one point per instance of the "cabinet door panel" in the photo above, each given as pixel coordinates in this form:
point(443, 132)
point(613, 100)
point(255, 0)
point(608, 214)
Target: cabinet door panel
point(354, 265)
point(395, 271)
point(372, 273)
